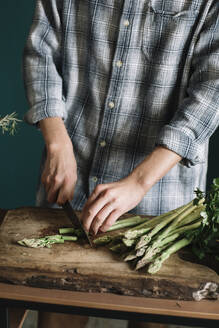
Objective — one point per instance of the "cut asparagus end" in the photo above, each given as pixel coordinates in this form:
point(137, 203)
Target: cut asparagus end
point(70, 238)
point(63, 231)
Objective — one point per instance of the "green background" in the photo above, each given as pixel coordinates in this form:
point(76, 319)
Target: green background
point(20, 155)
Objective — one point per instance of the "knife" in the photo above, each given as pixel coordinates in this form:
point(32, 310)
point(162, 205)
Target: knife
point(75, 219)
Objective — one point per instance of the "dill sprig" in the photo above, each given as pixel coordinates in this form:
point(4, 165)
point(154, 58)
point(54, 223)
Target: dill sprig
point(8, 123)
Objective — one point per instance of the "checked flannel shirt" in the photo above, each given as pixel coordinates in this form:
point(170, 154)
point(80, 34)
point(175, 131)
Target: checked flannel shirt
point(125, 76)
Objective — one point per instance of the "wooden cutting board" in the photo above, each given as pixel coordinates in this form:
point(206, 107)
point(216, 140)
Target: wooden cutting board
point(76, 266)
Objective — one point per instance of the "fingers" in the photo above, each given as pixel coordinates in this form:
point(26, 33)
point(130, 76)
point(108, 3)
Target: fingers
point(101, 211)
point(109, 201)
point(65, 193)
point(111, 219)
point(95, 194)
point(60, 175)
point(59, 189)
point(52, 188)
point(95, 203)
point(101, 217)
point(104, 221)
point(46, 180)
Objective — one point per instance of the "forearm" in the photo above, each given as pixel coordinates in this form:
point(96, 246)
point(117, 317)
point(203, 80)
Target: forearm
point(154, 167)
point(54, 133)
point(60, 170)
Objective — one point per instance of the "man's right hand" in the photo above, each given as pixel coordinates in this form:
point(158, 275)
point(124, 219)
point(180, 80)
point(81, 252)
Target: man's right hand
point(60, 171)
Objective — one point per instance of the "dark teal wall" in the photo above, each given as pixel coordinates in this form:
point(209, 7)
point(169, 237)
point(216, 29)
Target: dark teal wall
point(20, 155)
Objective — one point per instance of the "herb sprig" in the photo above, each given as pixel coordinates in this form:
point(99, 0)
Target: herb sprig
point(8, 123)
point(206, 237)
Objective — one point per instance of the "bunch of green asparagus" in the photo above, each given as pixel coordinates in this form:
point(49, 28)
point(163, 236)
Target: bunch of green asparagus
point(153, 241)
point(149, 242)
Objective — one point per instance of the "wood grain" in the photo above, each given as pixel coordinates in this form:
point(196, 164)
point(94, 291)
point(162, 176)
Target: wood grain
point(189, 309)
point(77, 267)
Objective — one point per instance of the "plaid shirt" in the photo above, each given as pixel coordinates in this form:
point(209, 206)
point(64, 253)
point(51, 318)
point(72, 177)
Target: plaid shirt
point(125, 76)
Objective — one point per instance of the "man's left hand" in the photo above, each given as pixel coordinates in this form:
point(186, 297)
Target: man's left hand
point(109, 201)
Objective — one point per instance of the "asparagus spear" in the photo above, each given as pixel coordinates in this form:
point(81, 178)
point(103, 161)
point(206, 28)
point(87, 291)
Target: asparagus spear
point(108, 239)
point(70, 238)
point(129, 242)
point(102, 240)
point(167, 236)
point(118, 248)
point(45, 241)
point(141, 229)
point(130, 256)
point(120, 224)
point(129, 222)
point(156, 264)
point(192, 217)
point(63, 231)
point(147, 226)
point(151, 252)
point(145, 239)
point(188, 227)
point(41, 242)
point(187, 213)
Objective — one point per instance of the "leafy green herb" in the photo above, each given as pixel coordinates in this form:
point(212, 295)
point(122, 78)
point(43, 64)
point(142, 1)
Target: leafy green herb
point(9, 123)
point(206, 237)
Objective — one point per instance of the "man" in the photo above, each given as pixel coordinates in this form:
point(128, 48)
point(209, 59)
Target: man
point(125, 93)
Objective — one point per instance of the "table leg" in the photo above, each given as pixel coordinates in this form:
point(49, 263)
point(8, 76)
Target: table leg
point(4, 318)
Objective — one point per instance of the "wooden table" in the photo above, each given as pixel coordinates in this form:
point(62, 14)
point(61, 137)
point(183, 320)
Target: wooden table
point(203, 313)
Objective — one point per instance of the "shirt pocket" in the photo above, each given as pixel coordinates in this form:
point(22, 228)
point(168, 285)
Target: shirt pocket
point(168, 31)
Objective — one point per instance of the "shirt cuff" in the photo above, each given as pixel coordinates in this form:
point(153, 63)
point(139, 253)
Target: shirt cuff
point(174, 139)
point(44, 109)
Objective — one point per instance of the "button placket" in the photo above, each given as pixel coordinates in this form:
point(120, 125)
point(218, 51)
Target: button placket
point(120, 56)
point(126, 23)
point(119, 63)
point(111, 104)
point(103, 143)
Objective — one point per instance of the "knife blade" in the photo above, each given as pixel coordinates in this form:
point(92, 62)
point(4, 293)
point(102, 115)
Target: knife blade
point(75, 219)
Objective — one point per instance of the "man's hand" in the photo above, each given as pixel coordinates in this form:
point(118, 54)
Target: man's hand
point(60, 171)
point(59, 174)
point(109, 201)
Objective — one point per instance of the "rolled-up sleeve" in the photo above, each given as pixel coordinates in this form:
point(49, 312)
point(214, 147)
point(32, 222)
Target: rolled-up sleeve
point(42, 63)
point(198, 114)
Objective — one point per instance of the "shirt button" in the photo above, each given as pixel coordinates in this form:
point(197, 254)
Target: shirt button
point(111, 104)
point(103, 143)
point(119, 63)
point(94, 179)
point(126, 22)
